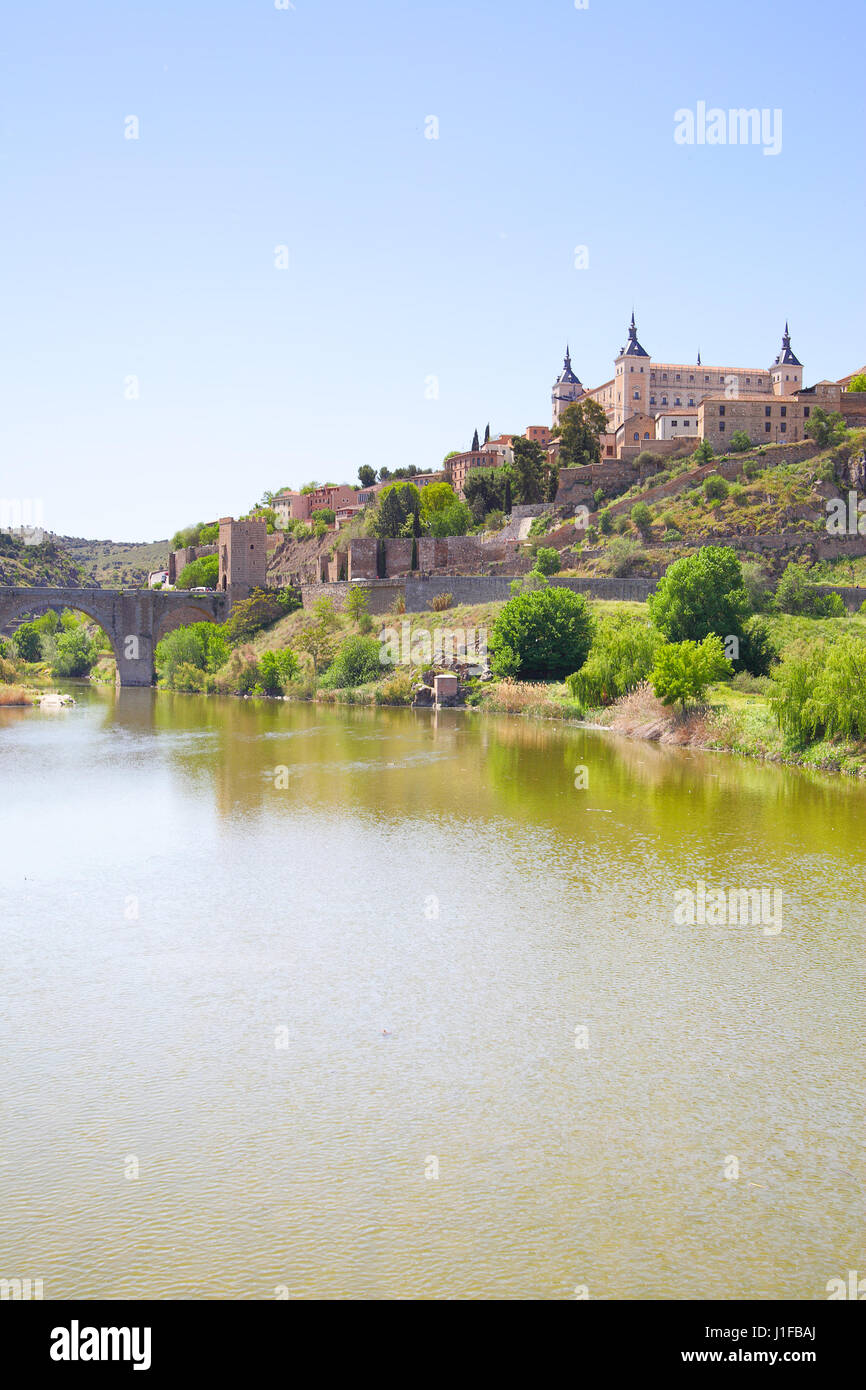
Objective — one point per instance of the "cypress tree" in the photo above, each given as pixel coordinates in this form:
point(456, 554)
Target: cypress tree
point(475, 445)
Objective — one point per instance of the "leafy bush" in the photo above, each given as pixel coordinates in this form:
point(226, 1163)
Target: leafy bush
point(673, 533)
point(622, 655)
point(358, 660)
point(451, 521)
point(276, 669)
point(200, 573)
point(547, 560)
point(704, 452)
point(598, 497)
point(605, 522)
point(715, 488)
point(738, 494)
point(622, 555)
point(683, 670)
point(545, 633)
point(440, 602)
point(739, 442)
point(642, 518)
point(202, 645)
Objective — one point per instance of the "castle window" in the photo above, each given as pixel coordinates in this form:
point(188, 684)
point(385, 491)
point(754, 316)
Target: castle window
point(721, 425)
point(784, 411)
point(691, 400)
point(706, 378)
point(767, 427)
point(637, 436)
point(646, 434)
point(664, 400)
point(767, 409)
point(678, 376)
point(673, 424)
point(806, 409)
point(637, 395)
point(691, 378)
point(748, 380)
point(783, 426)
point(652, 400)
point(678, 401)
point(722, 409)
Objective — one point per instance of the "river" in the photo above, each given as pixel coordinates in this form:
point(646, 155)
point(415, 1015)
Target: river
point(331, 1002)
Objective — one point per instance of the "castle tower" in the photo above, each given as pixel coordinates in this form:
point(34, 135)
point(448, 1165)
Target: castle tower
point(243, 556)
point(632, 389)
point(787, 370)
point(566, 389)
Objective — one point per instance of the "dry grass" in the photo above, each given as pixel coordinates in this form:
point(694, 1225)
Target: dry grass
point(526, 697)
point(14, 695)
point(641, 714)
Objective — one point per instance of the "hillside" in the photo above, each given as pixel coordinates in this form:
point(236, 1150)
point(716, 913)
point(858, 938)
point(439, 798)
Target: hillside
point(111, 564)
point(47, 564)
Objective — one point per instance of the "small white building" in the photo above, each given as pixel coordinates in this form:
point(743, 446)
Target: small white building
point(676, 424)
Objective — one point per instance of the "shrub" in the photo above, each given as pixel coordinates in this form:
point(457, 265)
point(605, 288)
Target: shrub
point(358, 660)
point(620, 524)
point(605, 522)
point(547, 560)
point(357, 604)
point(622, 555)
point(738, 494)
point(202, 645)
point(794, 594)
point(263, 607)
point(715, 488)
point(190, 678)
point(622, 655)
point(75, 655)
point(200, 573)
point(598, 497)
point(642, 518)
point(758, 651)
point(704, 452)
point(276, 669)
point(739, 442)
point(683, 670)
point(396, 690)
point(440, 602)
point(673, 533)
point(546, 633)
point(701, 594)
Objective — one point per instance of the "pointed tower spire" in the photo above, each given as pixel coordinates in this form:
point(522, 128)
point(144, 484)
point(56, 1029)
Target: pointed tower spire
point(699, 357)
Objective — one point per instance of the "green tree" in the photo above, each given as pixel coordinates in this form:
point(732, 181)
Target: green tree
point(202, 645)
point(435, 497)
point(580, 427)
point(357, 605)
point(547, 633)
point(825, 429)
point(200, 573)
point(455, 520)
point(530, 471)
point(704, 452)
point(398, 512)
point(739, 442)
point(622, 655)
point(317, 635)
point(475, 445)
point(27, 642)
point(367, 475)
point(263, 607)
point(76, 653)
point(605, 522)
point(682, 671)
point(701, 594)
point(823, 695)
point(276, 669)
point(484, 490)
point(547, 560)
point(857, 383)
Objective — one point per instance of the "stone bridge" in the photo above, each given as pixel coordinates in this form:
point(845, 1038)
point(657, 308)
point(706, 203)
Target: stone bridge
point(134, 619)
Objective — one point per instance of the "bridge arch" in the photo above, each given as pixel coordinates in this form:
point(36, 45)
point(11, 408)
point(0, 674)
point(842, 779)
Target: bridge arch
point(133, 619)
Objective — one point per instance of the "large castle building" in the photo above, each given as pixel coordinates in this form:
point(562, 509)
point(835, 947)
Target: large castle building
point(664, 402)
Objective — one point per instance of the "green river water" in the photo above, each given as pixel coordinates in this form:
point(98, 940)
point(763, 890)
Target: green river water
point(415, 1016)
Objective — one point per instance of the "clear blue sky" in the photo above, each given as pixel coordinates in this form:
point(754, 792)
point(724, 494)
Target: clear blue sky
point(408, 257)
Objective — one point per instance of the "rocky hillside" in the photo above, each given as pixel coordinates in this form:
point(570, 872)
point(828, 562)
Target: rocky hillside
point(113, 564)
point(47, 564)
